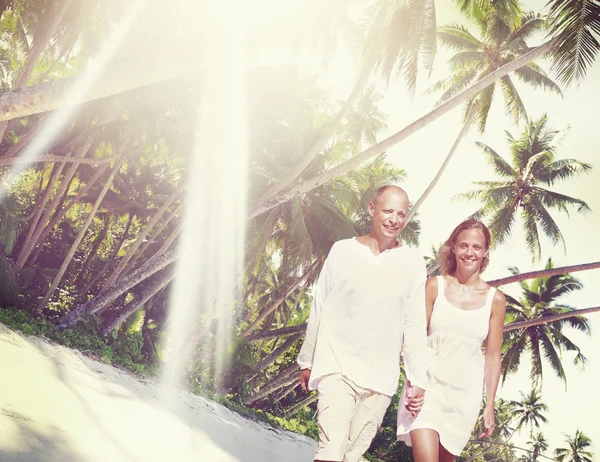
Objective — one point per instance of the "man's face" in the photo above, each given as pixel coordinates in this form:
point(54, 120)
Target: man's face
point(389, 213)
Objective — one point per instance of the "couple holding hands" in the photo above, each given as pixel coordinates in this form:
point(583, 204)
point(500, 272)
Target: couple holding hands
point(372, 303)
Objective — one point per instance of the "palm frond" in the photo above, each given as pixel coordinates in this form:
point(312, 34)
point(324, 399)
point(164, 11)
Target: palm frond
point(575, 25)
point(501, 167)
point(457, 37)
point(537, 79)
point(532, 237)
point(560, 201)
point(514, 103)
point(563, 169)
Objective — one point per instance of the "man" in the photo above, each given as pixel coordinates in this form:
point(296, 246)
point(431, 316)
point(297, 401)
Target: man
point(368, 306)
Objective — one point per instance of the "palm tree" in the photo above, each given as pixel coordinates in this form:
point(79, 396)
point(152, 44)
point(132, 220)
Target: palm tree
point(538, 444)
point(539, 299)
point(502, 40)
point(528, 411)
point(534, 163)
point(577, 450)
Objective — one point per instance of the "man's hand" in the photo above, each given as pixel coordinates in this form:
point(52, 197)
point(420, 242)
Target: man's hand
point(415, 397)
point(488, 422)
point(304, 376)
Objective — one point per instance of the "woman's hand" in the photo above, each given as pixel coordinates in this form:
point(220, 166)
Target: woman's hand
point(488, 422)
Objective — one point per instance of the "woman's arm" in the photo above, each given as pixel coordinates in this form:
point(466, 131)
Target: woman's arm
point(431, 292)
point(493, 359)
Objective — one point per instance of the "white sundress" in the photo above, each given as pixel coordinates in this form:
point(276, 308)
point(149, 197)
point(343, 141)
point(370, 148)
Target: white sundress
point(455, 372)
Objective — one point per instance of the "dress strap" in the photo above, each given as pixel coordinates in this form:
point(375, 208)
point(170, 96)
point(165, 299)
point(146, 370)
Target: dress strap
point(490, 297)
point(441, 281)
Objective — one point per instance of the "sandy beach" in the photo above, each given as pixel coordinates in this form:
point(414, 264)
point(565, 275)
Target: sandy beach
point(58, 405)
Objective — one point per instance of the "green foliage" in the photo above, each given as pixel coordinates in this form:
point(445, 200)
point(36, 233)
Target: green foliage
point(533, 163)
point(125, 351)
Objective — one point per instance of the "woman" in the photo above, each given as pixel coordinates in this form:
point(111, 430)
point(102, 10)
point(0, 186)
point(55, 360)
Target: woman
point(462, 312)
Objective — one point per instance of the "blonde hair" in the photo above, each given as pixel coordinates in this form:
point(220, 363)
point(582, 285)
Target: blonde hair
point(447, 259)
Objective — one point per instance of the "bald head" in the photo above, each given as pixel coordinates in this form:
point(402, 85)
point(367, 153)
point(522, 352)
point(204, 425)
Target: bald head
point(388, 187)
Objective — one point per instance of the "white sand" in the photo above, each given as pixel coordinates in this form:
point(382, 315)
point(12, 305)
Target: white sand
point(58, 405)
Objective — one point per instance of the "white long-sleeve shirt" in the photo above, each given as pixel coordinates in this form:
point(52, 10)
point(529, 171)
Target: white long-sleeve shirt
point(366, 310)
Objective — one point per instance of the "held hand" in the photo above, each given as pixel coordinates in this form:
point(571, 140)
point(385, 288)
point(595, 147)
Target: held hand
point(488, 422)
point(304, 376)
point(415, 397)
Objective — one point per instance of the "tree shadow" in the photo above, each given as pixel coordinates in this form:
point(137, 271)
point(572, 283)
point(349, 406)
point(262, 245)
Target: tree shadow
point(213, 429)
point(37, 446)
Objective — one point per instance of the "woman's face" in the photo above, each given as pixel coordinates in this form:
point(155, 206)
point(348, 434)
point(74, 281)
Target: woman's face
point(470, 250)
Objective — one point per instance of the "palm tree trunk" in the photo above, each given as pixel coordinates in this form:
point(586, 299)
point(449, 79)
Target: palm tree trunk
point(110, 259)
point(168, 242)
point(146, 244)
point(119, 77)
point(287, 377)
point(23, 141)
point(544, 273)
point(438, 175)
point(42, 35)
point(282, 332)
point(112, 294)
point(552, 318)
point(272, 357)
point(58, 159)
point(79, 238)
point(301, 405)
point(285, 391)
point(414, 127)
point(53, 205)
point(320, 141)
point(63, 211)
point(93, 251)
point(138, 302)
point(267, 311)
point(25, 250)
point(159, 213)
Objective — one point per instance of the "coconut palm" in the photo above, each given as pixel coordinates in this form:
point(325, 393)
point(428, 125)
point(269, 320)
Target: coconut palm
point(543, 343)
point(528, 411)
point(502, 39)
point(577, 450)
point(538, 444)
point(534, 163)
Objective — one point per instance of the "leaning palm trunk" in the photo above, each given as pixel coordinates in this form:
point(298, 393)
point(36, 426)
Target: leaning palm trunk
point(39, 209)
point(111, 257)
point(104, 300)
point(283, 380)
point(53, 205)
point(272, 357)
point(93, 251)
point(321, 139)
point(120, 77)
point(138, 242)
point(281, 332)
point(438, 175)
point(551, 318)
point(301, 405)
point(544, 273)
point(23, 141)
point(138, 302)
point(41, 37)
point(65, 209)
point(414, 127)
point(146, 244)
point(79, 238)
point(268, 310)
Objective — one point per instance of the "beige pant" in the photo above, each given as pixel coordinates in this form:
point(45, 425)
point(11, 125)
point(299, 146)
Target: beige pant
point(348, 418)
